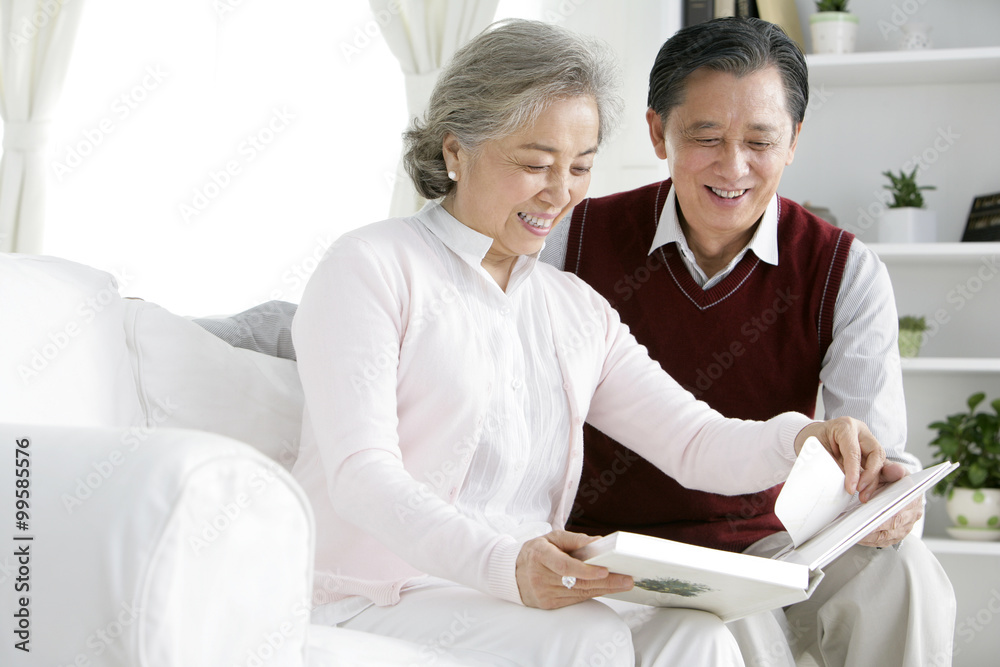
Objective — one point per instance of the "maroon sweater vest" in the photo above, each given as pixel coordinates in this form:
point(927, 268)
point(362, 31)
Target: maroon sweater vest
point(751, 347)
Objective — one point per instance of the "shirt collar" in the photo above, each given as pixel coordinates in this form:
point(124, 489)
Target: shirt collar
point(764, 242)
point(469, 244)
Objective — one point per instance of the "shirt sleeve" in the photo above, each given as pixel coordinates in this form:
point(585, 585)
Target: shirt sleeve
point(861, 373)
point(554, 252)
point(638, 404)
point(348, 333)
point(266, 328)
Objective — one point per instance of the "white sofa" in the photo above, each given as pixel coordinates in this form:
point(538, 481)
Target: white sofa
point(161, 527)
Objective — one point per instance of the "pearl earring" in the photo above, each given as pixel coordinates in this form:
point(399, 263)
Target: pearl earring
point(452, 175)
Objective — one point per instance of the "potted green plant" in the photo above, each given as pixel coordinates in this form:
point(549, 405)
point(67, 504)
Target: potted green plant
point(911, 335)
point(971, 439)
point(833, 28)
point(906, 220)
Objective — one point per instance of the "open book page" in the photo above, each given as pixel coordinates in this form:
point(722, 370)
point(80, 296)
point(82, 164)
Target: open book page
point(859, 519)
point(826, 519)
point(813, 494)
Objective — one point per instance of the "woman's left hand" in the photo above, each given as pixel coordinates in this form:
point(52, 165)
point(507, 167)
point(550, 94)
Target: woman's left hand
point(543, 563)
point(857, 451)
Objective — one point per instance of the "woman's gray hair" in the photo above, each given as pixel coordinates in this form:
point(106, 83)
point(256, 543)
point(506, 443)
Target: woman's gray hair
point(498, 83)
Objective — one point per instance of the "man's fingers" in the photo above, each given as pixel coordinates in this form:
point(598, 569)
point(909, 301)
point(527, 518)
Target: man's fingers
point(871, 472)
point(846, 442)
point(892, 472)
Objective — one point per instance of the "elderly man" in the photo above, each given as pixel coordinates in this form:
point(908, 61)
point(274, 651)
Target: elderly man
point(751, 303)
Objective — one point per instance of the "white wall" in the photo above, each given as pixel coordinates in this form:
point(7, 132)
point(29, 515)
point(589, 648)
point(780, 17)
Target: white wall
point(161, 97)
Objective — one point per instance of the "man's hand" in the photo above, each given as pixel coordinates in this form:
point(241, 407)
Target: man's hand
point(545, 560)
point(896, 528)
point(859, 454)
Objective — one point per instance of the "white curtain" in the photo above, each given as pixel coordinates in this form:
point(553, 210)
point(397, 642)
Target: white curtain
point(424, 35)
point(37, 39)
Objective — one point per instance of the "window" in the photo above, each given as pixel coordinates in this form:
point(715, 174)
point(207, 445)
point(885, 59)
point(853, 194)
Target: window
point(208, 151)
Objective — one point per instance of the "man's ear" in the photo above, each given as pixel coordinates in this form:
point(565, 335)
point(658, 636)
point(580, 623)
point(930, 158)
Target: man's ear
point(656, 133)
point(794, 145)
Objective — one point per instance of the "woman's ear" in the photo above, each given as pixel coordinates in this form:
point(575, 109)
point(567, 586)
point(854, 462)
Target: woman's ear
point(453, 153)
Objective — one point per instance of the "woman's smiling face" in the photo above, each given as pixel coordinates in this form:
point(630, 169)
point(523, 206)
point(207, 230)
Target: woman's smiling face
point(517, 188)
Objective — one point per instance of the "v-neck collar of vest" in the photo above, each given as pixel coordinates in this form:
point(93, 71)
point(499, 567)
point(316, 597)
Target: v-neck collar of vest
point(701, 298)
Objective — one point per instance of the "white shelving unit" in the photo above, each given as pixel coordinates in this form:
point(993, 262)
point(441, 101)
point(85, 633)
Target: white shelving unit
point(881, 109)
point(948, 546)
point(879, 68)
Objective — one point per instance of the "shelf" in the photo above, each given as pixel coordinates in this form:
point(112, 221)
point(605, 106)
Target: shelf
point(946, 545)
point(950, 365)
point(938, 253)
point(900, 68)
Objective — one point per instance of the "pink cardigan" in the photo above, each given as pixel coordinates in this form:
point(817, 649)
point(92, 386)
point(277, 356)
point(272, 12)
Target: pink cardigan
point(395, 380)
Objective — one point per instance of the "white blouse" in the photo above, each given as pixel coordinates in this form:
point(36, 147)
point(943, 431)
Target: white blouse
point(443, 424)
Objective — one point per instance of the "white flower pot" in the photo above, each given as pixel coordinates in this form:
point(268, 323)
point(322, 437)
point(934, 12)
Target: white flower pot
point(907, 225)
point(915, 36)
point(833, 32)
point(975, 512)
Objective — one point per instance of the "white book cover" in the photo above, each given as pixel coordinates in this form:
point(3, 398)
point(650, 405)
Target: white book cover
point(823, 521)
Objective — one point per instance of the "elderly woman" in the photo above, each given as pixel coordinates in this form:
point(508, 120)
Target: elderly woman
point(447, 376)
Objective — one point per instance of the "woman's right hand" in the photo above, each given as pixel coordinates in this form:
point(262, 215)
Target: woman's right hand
point(544, 561)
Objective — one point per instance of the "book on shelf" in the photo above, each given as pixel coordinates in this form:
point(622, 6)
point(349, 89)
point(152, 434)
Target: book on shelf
point(698, 11)
point(983, 223)
point(822, 521)
point(785, 14)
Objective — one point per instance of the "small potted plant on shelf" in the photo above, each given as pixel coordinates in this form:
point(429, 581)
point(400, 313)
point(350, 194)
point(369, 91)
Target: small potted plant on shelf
point(971, 439)
point(833, 28)
point(911, 335)
point(906, 220)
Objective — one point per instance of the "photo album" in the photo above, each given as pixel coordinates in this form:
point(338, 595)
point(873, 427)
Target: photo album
point(821, 518)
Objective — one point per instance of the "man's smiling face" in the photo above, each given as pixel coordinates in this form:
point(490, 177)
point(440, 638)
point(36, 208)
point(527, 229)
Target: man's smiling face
point(726, 146)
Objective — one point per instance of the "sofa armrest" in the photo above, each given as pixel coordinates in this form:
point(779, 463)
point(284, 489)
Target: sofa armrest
point(163, 548)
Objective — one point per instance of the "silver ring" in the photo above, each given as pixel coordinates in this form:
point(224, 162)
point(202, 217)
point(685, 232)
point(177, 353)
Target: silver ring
point(569, 582)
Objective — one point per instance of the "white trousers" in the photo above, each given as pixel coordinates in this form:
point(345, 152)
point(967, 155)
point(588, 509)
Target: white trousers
point(879, 607)
point(474, 629)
